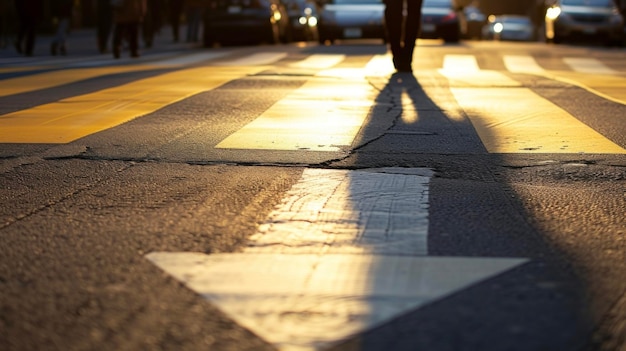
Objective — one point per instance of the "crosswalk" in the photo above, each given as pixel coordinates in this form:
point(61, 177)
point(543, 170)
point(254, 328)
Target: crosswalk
point(331, 107)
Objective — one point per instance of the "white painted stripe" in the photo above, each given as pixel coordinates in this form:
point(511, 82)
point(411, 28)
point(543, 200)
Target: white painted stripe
point(311, 302)
point(522, 64)
point(191, 59)
point(319, 61)
point(460, 63)
point(321, 115)
point(588, 65)
point(125, 59)
point(380, 65)
point(463, 70)
point(338, 211)
point(377, 66)
point(297, 287)
point(517, 120)
point(257, 59)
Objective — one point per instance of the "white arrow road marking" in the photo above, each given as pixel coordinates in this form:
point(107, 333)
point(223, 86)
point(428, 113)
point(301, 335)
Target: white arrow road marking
point(309, 302)
point(340, 255)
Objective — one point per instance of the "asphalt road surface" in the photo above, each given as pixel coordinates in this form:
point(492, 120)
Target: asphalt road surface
point(305, 197)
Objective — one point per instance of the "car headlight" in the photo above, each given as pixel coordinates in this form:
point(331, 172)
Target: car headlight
point(312, 21)
point(498, 27)
point(553, 13)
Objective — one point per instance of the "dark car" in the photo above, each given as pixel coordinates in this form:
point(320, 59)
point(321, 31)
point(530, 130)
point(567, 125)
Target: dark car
point(442, 19)
point(580, 19)
point(303, 19)
point(352, 19)
point(475, 20)
point(246, 21)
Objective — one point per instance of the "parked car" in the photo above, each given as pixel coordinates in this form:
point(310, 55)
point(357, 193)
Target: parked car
point(476, 20)
point(509, 27)
point(572, 19)
point(303, 19)
point(246, 21)
point(442, 19)
point(351, 19)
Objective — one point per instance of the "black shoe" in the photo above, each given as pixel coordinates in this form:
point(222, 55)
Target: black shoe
point(53, 49)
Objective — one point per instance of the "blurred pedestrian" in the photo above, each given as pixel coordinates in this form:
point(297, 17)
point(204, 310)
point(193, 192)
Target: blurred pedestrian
point(153, 21)
point(175, 11)
point(194, 10)
point(6, 9)
point(29, 14)
point(127, 18)
point(62, 11)
point(104, 19)
point(402, 20)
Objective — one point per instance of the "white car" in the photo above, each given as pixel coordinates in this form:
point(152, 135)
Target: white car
point(571, 19)
point(352, 19)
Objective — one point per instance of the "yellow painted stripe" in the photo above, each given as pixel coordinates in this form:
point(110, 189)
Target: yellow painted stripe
point(76, 117)
point(19, 69)
point(56, 78)
point(322, 115)
point(610, 87)
point(517, 120)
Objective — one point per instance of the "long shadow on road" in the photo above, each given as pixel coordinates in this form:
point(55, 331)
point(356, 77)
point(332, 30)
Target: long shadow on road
point(539, 305)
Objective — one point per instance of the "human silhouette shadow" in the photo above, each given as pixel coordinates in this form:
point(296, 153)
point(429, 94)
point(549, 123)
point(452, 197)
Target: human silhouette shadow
point(406, 120)
point(418, 124)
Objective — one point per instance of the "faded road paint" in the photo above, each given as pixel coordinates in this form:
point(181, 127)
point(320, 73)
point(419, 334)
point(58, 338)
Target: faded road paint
point(344, 252)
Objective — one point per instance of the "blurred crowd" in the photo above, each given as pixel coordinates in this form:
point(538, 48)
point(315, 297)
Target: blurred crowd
point(118, 24)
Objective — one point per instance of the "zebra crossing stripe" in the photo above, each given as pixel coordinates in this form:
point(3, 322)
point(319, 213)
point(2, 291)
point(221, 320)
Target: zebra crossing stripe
point(76, 117)
point(344, 252)
point(319, 61)
point(589, 74)
point(256, 59)
point(588, 65)
point(322, 115)
point(608, 87)
point(463, 70)
point(517, 120)
point(51, 79)
point(522, 64)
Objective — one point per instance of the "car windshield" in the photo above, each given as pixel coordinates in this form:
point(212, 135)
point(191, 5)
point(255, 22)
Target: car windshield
point(604, 3)
point(516, 20)
point(357, 2)
point(437, 3)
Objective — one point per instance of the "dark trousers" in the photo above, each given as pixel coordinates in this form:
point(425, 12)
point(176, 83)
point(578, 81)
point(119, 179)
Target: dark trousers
point(129, 31)
point(26, 35)
point(175, 11)
point(402, 31)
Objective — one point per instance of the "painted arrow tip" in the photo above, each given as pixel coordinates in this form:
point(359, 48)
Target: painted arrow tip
point(310, 302)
